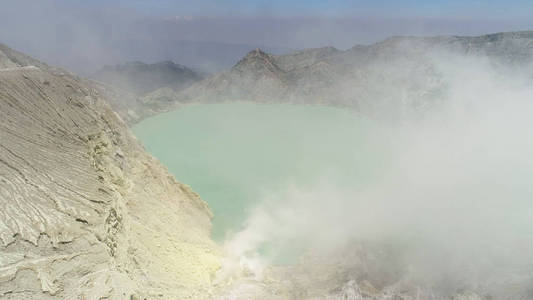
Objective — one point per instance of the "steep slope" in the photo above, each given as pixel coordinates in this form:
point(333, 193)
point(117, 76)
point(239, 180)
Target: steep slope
point(86, 212)
point(398, 74)
point(11, 59)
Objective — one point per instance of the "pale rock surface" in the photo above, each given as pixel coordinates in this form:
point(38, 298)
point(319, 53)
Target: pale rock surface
point(86, 213)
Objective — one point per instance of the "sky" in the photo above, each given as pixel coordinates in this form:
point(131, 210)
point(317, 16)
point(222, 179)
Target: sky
point(335, 8)
point(211, 35)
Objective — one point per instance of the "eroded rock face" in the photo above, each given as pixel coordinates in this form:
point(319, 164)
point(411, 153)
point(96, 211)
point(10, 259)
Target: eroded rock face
point(86, 212)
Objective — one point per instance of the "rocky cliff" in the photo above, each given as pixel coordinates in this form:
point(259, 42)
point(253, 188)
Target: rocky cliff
point(86, 212)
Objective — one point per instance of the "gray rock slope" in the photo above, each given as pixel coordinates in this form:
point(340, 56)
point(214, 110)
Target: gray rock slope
point(86, 213)
point(383, 76)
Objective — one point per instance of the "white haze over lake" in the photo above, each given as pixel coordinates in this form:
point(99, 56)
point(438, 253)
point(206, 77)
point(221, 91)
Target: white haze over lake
point(450, 186)
point(456, 195)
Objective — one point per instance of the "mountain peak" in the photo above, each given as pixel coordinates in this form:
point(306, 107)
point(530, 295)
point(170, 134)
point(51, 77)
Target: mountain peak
point(257, 60)
point(257, 52)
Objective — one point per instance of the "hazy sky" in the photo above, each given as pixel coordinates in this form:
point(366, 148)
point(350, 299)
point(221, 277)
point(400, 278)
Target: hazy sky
point(82, 35)
point(334, 8)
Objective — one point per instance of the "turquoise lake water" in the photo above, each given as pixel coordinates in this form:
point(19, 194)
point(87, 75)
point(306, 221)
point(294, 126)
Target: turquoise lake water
point(233, 154)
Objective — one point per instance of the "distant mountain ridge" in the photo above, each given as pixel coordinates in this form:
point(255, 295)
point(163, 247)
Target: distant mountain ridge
point(126, 83)
point(140, 78)
point(364, 77)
